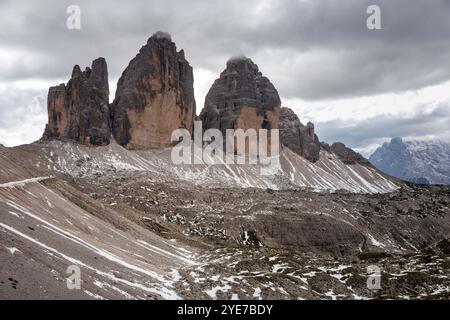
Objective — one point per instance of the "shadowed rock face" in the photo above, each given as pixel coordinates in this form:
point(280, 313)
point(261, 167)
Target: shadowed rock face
point(155, 96)
point(299, 138)
point(79, 111)
point(242, 98)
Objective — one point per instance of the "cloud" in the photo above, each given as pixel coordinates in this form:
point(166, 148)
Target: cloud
point(22, 115)
point(317, 52)
point(425, 123)
point(310, 49)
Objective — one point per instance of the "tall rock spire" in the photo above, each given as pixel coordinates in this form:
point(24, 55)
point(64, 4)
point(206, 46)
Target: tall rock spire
point(155, 96)
point(241, 98)
point(79, 111)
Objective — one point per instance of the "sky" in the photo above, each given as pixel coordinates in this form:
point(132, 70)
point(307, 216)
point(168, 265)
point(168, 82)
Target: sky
point(358, 86)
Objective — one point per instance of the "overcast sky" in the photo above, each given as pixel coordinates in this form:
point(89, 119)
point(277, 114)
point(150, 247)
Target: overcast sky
point(358, 86)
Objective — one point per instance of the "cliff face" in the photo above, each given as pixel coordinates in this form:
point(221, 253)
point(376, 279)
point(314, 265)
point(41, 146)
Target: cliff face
point(302, 140)
point(299, 138)
point(79, 111)
point(155, 96)
point(241, 98)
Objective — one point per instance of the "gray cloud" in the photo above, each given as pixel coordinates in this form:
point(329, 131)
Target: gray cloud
point(372, 131)
point(409, 53)
point(312, 50)
point(23, 116)
point(25, 102)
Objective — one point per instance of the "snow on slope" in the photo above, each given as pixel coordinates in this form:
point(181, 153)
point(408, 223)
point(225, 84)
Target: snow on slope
point(9, 170)
point(328, 174)
point(21, 183)
point(49, 234)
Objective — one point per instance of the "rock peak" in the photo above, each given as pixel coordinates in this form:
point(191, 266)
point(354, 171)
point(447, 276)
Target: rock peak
point(239, 59)
point(79, 110)
point(161, 35)
point(242, 64)
point(299, 138)
point(397, 140)
point(347, 155)
point(241, 98)
point(76, 71)
point(155, 96)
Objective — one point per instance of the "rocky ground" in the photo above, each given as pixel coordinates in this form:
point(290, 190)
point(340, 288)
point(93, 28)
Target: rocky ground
point(279, 274)
point(337, 223)
point(265, 244)
point(138, 236)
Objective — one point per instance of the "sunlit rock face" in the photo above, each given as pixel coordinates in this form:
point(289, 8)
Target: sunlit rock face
point(79, 110)
point(155, 96)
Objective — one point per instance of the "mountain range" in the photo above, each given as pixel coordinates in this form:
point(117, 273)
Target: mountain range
point(425, 162)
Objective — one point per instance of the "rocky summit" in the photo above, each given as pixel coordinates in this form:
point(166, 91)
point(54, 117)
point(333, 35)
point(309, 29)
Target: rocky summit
point(155, 96)
point(79, 111)
point(347, 155)
point(241, 98)
point(299, 138)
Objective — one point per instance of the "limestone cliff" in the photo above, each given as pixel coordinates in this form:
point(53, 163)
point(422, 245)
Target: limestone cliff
point(155, 96)
point(79, 110)
point(241, 98)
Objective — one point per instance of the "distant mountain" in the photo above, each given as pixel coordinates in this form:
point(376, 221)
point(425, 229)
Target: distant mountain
point(423, 162)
